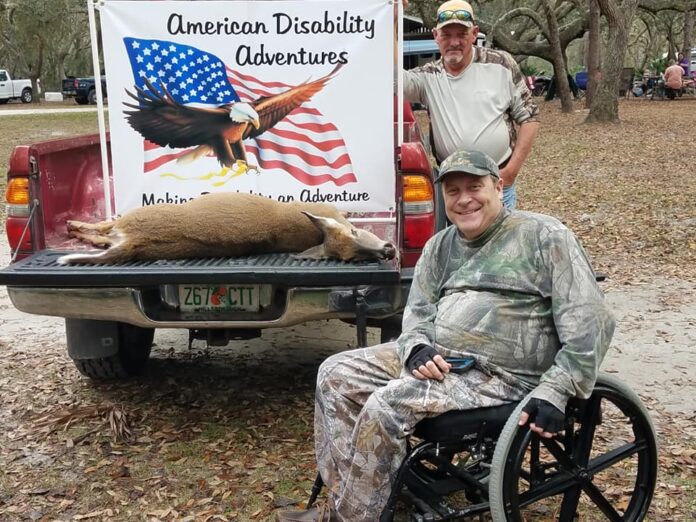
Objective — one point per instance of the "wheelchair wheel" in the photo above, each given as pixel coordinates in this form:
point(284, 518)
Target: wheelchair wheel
point(605, 463)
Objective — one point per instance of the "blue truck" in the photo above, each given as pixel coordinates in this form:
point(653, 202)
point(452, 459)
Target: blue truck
point(82, 89)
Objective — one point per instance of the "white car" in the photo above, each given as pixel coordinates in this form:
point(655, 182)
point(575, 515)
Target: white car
point(14, 89)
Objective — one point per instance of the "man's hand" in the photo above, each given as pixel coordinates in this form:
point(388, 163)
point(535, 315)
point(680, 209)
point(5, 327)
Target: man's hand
point(509, 174)
point(425, 363)
point(546, 419)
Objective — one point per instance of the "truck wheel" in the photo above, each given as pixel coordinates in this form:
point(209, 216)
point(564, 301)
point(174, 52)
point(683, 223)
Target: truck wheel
point(27, 96)
point(92, 97)
point(132, 351)
point(81, 100)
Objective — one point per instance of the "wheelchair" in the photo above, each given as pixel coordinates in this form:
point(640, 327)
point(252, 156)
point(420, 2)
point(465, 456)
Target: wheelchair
point(469, 463)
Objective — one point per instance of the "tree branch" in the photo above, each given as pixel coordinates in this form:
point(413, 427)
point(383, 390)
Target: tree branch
point(519, 12)
point(655, 6)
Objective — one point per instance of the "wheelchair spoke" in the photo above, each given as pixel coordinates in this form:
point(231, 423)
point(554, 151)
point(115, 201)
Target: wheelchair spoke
point(612, 457)
point(591, 418)
point(558, 453)
point(555, 485)
point(569, 506)
point(602, 503)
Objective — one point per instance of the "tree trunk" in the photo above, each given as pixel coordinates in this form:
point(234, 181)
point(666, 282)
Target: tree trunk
point(605, 101)
point(671, 40)
point(559, 65)
point(689, 19)
point(593, 52)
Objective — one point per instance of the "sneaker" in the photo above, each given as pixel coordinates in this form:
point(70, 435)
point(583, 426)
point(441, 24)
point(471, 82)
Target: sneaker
point(320, 513)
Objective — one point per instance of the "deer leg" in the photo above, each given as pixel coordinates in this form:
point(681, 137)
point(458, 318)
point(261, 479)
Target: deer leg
point(93, 238)
point(119, 253)
point(103, 227)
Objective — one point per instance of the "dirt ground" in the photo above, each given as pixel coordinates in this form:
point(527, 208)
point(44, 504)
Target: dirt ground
point(225, 434)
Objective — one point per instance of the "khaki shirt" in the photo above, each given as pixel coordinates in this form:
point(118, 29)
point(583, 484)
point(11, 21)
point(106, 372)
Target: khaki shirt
point(477, 109)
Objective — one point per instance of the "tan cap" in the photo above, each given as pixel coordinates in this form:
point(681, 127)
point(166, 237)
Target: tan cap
point(455, 12)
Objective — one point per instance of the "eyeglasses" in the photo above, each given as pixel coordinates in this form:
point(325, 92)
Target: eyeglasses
point(459, 14)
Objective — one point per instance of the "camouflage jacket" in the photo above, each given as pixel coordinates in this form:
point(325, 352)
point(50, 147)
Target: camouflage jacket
point(522, 299)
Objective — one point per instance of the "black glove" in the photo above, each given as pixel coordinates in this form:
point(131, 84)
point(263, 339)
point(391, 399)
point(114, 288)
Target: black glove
point(421, 354)
point(545, 415)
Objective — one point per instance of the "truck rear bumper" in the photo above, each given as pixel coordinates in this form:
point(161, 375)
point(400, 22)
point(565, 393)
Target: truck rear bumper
point(130, 305)
point(144, 293)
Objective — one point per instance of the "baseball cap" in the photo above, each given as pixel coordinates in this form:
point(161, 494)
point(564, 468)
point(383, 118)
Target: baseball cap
point(455, 12)
point(469, 162)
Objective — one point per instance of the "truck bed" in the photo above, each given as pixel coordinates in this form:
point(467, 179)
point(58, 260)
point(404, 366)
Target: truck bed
point(42, 270)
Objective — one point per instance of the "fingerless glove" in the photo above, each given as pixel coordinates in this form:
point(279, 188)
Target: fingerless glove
point(421, 354)
point(545, 415)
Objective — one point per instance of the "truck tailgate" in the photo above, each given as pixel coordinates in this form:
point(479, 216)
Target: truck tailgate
point(41, 270)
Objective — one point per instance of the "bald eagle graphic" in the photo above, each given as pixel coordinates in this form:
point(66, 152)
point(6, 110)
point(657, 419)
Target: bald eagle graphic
point(159, 118)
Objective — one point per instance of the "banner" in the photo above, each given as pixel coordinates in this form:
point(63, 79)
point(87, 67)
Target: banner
point(288, 99)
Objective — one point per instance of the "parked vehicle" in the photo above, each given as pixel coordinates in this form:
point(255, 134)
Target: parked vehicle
point(14, 89)
point(82, 89)
point(112, 311)
point(541, 84)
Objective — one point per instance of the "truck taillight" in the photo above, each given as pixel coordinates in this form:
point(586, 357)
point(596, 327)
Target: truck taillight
point(75, 83)
point(17, 197)
point(18, 235)
point(419, 210)
point(18, 210)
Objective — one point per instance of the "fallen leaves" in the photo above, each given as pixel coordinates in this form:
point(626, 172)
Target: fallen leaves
point(229, 437)
point(626, 190)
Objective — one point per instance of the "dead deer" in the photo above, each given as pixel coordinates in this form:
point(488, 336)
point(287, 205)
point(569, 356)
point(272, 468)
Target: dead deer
point(227, 224)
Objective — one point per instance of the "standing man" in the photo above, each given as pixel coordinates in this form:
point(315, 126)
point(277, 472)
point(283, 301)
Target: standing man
point(512, 290)
point(477, 97)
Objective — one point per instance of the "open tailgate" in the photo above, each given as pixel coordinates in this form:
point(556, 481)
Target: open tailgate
point(42, 270)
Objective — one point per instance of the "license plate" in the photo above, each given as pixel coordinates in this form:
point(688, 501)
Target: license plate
point(219, 298)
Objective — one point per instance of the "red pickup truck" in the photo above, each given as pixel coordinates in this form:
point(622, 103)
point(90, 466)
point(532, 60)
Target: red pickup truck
point(111, 311)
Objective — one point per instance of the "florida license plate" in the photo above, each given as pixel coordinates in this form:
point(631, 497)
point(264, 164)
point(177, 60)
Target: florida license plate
point(219, 298)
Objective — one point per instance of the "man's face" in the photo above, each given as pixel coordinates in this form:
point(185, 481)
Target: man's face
point(456, 44)
point(472, 202)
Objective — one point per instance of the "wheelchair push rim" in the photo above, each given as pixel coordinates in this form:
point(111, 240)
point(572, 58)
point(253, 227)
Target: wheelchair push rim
point(531, 476)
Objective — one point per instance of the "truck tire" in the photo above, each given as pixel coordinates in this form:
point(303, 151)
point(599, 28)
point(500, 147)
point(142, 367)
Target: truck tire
point(4, 101)
point(27, 96)
point(92, 97)
point(134, 346)
point(81, 100)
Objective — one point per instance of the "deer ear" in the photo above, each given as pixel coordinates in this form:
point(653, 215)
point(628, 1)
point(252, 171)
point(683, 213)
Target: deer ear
point(321, 223)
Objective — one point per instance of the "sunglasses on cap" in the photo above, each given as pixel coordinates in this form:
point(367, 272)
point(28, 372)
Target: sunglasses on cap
point(459, 14)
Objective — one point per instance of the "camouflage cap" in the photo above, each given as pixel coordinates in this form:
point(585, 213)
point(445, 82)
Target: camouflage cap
point(470, 162)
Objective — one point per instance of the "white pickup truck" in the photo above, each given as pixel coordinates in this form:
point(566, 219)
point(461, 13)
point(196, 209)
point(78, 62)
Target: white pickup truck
point(14, 89)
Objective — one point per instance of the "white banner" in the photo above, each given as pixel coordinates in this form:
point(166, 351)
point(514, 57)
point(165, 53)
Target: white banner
point(289, 99)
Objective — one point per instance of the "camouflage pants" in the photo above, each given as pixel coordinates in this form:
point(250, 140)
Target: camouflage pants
point(367, 406)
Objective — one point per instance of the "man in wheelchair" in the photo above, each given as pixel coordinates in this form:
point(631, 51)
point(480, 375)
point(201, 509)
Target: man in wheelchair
point(511, 296)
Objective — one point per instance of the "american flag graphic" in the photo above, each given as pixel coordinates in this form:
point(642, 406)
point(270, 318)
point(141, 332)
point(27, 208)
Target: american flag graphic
point(304, 144)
